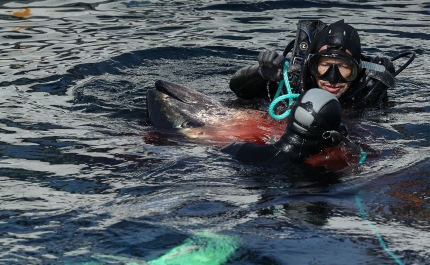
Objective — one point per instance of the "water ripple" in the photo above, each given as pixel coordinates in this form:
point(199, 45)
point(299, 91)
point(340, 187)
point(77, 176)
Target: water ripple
point(83, 173)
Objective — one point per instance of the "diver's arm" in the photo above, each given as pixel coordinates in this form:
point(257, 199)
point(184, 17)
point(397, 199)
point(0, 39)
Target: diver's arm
point(247, 83)
point(267, 154)
point(259, 81)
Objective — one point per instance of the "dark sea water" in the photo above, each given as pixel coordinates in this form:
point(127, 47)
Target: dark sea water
point(81, 184)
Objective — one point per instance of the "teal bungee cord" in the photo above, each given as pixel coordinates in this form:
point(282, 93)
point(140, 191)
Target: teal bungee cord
point(278, 98)
point(363, 156)
point(373, 228)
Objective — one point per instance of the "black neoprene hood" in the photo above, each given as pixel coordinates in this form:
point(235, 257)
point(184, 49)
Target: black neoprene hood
point(339, 35)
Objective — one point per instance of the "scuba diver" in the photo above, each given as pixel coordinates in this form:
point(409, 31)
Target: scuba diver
point(324, 58)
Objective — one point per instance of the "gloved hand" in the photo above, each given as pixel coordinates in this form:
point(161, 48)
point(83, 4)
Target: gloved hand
point(271, 65)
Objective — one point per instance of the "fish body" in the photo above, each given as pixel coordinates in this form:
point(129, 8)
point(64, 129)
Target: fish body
point(201, 119)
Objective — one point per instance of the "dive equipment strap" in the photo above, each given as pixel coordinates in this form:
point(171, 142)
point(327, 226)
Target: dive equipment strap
point(338, 137)
point(306, 32)
point(379, 72)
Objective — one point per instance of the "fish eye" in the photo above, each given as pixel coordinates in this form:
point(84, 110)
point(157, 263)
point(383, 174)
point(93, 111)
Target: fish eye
point(189, 124)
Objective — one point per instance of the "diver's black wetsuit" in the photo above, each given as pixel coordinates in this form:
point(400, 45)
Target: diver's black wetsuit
point(369, 89)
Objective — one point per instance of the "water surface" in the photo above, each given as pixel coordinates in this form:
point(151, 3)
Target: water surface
point(79, 178)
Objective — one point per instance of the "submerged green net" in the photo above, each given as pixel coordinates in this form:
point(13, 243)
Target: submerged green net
point(203, 248)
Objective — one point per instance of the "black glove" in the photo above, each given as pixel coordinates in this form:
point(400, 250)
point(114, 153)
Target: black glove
point(271, 65)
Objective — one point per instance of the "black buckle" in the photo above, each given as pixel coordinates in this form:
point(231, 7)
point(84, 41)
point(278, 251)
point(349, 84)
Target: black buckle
point(297, 59)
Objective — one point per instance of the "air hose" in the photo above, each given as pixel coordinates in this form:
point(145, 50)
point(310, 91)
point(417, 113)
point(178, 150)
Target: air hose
point(408, 62)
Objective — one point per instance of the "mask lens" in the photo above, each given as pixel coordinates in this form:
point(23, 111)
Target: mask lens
point(344, 66)
point(320, 64)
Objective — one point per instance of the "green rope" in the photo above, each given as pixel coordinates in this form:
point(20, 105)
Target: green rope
point(278, 98)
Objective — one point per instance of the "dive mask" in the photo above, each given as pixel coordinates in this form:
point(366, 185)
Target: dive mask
point(334, 65)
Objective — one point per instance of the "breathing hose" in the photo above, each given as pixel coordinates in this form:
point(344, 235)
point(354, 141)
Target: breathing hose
point(408, 62)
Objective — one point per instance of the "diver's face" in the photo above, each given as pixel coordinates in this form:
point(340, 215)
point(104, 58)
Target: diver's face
point(345, 69)
point(337, 89)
